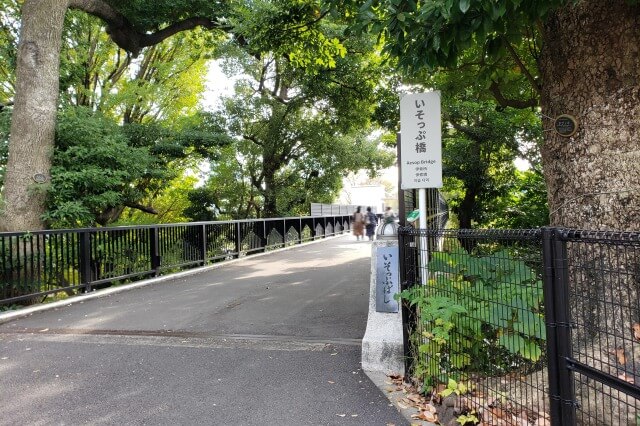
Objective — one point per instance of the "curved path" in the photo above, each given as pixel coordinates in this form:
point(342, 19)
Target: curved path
point(267, 340)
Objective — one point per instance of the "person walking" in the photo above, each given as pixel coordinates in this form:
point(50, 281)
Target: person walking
point(389, 215)
point(358, 224)
point(370, 222)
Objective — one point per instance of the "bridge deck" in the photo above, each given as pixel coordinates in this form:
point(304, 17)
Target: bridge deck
point(268, 340)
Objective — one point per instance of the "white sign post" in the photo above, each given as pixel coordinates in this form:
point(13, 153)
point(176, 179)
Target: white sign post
point(421, 154)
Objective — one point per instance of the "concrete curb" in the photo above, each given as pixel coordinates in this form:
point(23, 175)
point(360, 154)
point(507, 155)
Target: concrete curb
point(21, 313)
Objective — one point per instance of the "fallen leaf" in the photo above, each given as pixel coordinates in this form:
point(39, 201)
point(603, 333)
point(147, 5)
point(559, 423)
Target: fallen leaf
point(428, 416)
point(354, 415)
point(543, 421)
point(497, 412)
point(620, 356)
point(626, 377)
point(636, 331)
point(519, 421)
point(416, 398)
point(431, 408)
point(329, 381)
point(341, 415)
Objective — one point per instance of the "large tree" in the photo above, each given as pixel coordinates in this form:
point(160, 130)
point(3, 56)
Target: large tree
point(155, 95)
point(297, 132)
point(132, 25)
point(580, 58)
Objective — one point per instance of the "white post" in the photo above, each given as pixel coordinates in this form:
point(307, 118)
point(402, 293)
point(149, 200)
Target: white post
point(424, 244)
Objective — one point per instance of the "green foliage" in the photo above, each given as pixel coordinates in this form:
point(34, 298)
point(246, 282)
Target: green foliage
point(171, 204)
point(478, 314)
point(469, 418)
point(297, 132)
point(454, 387)
point(164, 83)
point(202, 206)
point(523, 204)
point(93, 167)
point(438, 32)
point(9, 32)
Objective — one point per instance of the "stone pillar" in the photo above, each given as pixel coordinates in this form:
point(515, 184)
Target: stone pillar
point(382, 345)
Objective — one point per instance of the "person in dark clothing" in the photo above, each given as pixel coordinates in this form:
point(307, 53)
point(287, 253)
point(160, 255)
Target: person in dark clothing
point(370, 222)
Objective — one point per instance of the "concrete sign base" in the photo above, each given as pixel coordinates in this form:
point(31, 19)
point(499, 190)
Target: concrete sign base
point(382, 345)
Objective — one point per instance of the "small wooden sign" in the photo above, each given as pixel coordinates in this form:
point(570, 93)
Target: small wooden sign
point(565, 125)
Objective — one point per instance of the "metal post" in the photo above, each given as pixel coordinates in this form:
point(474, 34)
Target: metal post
point(238, 239)
point(203, 244)
point(551, 326)
point(558, 326)
point(85, 259)
point(154, 251)
point(563, 331)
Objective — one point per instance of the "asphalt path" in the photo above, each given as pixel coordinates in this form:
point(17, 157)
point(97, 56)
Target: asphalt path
point(268, 340)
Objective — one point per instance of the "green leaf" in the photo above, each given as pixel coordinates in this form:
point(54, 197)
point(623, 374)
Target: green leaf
point(464, 5)
point(513, 343)
point(530, 324)
point(531, 351)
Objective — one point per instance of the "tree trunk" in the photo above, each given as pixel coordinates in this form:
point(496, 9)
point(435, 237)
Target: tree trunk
point(270, 208)
point(590, 67)
point(34, 114)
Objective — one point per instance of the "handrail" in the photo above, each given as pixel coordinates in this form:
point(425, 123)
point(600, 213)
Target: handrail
point(35, 265)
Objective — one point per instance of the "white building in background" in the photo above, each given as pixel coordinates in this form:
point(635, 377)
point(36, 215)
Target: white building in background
point(360, 190)
point(366, 196)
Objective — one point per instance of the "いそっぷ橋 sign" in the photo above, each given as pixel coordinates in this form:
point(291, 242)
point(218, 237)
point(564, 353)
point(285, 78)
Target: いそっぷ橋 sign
point(420, 141)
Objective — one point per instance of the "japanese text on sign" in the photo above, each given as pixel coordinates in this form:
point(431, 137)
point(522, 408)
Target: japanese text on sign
point(420, 141)
point(387, 279)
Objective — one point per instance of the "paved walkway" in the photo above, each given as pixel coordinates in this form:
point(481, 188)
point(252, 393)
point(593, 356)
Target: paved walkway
point(268, 340)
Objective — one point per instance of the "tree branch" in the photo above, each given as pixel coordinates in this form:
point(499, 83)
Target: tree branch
point(521, 65)
point(514, 103)
point(146, 209)
point(126, 36)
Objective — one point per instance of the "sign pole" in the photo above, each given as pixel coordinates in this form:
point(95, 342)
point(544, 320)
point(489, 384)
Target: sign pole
point(424, 244)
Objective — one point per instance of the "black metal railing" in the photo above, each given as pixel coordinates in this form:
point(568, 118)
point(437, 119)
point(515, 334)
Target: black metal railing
point(525, 326)
point(36, 265)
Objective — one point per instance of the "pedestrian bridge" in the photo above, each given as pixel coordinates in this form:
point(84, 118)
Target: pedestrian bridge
point(269, 339)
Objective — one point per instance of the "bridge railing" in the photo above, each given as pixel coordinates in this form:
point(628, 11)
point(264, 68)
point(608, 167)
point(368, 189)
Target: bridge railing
point(38, 265)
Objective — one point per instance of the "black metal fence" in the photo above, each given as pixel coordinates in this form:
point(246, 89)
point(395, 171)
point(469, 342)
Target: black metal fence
point(36, 265)
point(530, 327)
